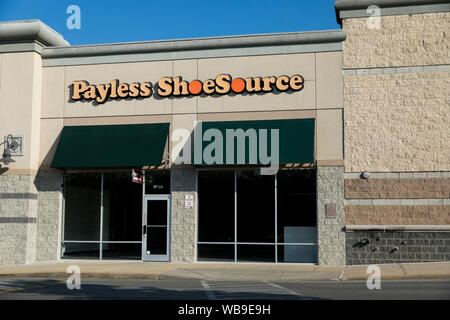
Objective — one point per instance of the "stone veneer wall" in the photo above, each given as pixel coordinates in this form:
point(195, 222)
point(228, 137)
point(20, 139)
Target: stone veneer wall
point(397, 204)
point(402, 40)
point(48, 242)
point(396, 89)
point(396, 126)
point(183, 221)
point(397, 215)
point(18, 215)
point(396, 188)
point(398, 199)
point(397, 122)
point(331, 237)
point(397, 246)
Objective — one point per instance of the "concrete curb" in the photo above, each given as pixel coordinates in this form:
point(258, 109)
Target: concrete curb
point(404, 277)
point(312, 277)
point(86, 275)
point(418, 271)
point(124, 276)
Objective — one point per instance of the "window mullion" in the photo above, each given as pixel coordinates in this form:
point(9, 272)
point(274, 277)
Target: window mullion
point(235, 215)
point(276, 220)
point(101, 219)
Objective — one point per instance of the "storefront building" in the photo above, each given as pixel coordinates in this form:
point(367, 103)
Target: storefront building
point(324, 147)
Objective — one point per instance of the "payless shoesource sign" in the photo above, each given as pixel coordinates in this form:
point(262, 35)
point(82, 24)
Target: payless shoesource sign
point(176, 87)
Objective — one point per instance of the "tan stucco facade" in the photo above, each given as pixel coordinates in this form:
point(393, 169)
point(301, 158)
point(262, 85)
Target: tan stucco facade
point(21, 78)
point(58, 109)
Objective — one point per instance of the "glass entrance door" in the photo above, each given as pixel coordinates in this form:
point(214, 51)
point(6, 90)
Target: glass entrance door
point(155, 230)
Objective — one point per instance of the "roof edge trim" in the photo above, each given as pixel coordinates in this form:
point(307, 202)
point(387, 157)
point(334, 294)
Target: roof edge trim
point(160, 46)
point(26, 30)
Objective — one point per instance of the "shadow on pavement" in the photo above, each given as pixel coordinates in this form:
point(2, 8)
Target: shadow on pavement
point(44, 289)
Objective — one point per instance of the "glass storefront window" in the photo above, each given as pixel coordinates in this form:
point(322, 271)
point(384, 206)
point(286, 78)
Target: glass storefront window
point(82, 206)
point(122, 207)
point(296, 206)
point(122, 251)
point(77, 250)
point(297, 253)
point(275, 216)
point(108, 202)
point(243, 216)
point(255, 207)
point(216, 206)
point(216, 252)
point(255, 253)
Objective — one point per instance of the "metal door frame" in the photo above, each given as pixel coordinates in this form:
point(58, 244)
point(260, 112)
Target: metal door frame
point(155, 257)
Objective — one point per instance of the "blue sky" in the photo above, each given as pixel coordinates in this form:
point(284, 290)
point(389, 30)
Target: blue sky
point(132, 20)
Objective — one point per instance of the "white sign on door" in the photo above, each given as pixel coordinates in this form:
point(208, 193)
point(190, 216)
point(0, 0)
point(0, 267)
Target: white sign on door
point(188, 201)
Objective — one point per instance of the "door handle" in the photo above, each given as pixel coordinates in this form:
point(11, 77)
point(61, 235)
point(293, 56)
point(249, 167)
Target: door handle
point(144, 231)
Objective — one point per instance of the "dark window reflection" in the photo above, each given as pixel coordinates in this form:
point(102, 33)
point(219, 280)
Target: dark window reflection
point(82, 206)
point(216, 252)
point(122, 207)
point(121, 251)
point(75, 250)
point(216, 206)
point(296, 191)
point(255, 207)
point(255, 253)
point(156, 240)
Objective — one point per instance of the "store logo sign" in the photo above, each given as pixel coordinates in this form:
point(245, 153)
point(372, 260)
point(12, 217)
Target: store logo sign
point(177, 87)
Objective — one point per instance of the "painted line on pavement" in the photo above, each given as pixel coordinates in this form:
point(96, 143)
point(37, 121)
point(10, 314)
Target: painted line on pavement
point(285, 289)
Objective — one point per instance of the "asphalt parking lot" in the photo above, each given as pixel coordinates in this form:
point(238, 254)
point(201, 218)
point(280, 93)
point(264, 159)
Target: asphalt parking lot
point(105, 289)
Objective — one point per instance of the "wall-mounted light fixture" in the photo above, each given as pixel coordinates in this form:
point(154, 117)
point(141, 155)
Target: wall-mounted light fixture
point(365, 241)
point(365, 175)
point(394, 249)
point(13, 146)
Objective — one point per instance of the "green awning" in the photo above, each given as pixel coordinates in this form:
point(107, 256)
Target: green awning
point(111, 146)
point(295, 141)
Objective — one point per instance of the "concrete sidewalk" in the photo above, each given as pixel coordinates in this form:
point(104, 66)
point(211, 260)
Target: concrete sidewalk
point(222, 271)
